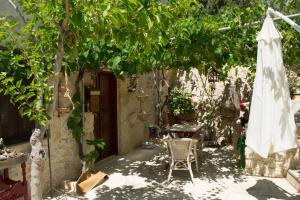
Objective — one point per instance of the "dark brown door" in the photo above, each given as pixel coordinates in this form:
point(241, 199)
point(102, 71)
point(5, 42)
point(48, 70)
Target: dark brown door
point(106, 120)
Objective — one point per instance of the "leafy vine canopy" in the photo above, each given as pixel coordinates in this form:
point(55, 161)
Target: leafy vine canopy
point(129, 37)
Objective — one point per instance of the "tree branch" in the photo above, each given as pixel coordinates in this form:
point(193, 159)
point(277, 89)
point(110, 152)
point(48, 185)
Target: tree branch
point(59, 59)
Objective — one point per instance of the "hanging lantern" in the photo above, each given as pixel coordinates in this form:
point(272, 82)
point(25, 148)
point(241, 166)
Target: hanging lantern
point(213, 76)
point(131, 86)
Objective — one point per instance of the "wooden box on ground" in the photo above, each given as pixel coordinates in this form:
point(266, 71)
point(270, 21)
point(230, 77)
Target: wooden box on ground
point(88, 180)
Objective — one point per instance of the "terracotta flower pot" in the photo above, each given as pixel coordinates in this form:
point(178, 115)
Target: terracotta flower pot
point(172, 119)
point(187, 117)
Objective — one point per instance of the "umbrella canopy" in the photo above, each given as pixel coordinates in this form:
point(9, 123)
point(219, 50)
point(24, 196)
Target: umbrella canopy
point(271, 126)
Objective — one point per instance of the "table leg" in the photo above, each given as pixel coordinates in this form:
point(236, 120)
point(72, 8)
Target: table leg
point(23, 166)
point(196, 156)
point(6, 175)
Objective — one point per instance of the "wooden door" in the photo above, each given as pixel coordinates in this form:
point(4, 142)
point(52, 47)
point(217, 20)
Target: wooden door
point(106, 120)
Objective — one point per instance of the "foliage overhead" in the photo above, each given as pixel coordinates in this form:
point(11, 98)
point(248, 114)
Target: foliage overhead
point(129, 37)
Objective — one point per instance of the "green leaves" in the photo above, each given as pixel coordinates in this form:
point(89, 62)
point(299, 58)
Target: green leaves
point(129, 37)
point(114, 62)
point(27, 63)
point(180, 102)
point(99, 144)
point(90, 158)
point(74, 122)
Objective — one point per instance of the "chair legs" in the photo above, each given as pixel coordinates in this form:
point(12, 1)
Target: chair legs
point(189, 166)
point(191, 172)
point(170, 172)
point(183, 152)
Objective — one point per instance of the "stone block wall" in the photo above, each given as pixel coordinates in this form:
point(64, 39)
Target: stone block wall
point(276, 165)
point(132, 130)
point(88, 132)
point(64, 157)
point(208, 96)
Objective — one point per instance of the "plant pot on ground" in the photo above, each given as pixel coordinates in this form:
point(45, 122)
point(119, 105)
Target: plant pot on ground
point(181, 106)
point(187, 117)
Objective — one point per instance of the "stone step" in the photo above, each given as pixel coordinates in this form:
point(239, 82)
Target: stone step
point(293, 177)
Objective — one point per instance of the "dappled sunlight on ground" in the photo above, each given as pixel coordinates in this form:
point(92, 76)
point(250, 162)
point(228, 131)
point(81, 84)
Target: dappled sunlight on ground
point(118, 180)
point(142, 174)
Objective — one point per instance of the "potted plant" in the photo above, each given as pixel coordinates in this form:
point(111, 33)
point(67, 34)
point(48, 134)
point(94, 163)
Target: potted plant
point(181, 106)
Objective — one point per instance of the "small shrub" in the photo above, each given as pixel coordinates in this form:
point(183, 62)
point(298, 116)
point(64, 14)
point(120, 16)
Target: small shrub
point(180, 102)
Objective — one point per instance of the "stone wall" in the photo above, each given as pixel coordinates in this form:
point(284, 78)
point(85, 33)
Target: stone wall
point(132, 129)
point(208, 98)
point(64, 157)
point(88, 132)
point(276, 165)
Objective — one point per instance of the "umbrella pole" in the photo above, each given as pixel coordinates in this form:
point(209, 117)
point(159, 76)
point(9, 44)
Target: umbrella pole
point(289, 17)
point(293, 24)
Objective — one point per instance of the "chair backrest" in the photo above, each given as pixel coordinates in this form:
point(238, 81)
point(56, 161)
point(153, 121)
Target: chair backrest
point(180, 148)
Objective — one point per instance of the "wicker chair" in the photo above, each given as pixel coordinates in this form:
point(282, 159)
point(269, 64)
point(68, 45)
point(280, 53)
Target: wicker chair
point(182, 152)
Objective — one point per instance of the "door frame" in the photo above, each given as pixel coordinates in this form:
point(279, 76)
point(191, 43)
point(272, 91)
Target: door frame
point(116, 106)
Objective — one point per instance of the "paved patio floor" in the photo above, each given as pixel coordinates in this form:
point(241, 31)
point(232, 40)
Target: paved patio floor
point(142, 174)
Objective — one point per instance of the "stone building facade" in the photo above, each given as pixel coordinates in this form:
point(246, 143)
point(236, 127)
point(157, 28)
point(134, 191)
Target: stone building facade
point(132, 130)
point(209, 96)
point(64, 156)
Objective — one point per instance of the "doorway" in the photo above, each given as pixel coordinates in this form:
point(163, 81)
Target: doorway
point(106, 118)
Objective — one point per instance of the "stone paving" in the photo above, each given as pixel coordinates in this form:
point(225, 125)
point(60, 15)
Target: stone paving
point(142, 174)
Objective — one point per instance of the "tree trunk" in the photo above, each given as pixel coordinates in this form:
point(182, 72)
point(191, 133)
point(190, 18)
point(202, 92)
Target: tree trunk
point(38, 157)
point(38, 154)
point(157, 84)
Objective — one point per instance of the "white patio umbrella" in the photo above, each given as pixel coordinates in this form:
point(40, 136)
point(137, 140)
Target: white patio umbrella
point(271, 126)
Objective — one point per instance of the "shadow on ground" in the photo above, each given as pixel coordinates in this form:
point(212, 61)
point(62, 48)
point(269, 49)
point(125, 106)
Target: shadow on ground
point(265, 189)
point(142, 174)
